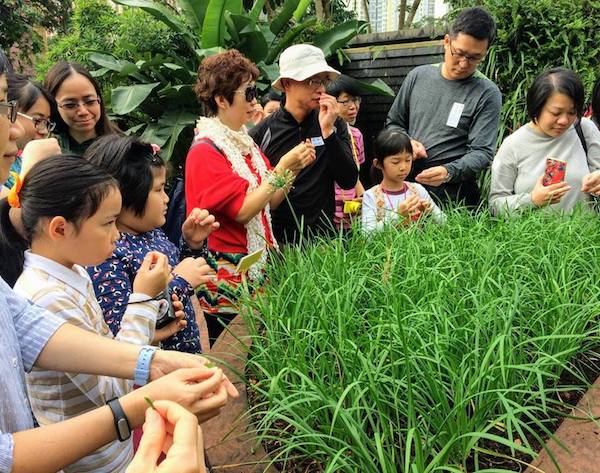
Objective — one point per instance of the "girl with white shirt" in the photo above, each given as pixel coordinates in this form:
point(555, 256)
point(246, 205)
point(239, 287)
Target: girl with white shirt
point(395, 201)
point(555, 102)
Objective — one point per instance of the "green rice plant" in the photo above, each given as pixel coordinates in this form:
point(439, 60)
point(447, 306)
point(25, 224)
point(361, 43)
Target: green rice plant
point(421, 349)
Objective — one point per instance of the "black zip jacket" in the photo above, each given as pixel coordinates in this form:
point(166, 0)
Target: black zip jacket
point(312, 196)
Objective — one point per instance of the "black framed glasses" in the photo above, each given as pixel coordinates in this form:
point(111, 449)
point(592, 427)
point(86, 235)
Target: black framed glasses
point(250, 93)
point(72, 105)
point(9, 110)
point(41, 124)
point(346, 103)
point(461, 56)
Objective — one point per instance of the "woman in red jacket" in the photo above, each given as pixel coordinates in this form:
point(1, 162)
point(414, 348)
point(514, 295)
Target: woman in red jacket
point(227, 174)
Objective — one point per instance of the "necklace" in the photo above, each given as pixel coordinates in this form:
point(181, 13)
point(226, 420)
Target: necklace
point(235, 146)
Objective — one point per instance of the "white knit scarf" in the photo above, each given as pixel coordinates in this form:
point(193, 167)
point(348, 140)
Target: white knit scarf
point(235, 145)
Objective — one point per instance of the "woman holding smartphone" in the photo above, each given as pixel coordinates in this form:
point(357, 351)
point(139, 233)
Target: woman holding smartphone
point(521, 171)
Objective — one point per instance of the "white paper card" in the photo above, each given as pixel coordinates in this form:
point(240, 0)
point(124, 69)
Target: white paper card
point(317, 141)
point(455, 113)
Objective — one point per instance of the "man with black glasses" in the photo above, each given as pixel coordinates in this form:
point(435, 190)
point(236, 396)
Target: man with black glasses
point(451, 112)
point(307, 113)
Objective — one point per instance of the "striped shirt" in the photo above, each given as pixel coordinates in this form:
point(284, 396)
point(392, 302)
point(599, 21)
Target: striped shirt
point(56, 396)
point(25, 331)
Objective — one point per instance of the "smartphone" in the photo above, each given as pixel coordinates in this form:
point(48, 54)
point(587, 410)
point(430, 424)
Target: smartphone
point(555, 171)
point(167, 316)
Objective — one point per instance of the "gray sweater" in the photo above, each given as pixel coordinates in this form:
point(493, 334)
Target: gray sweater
point(521, 160)
point(463, 141)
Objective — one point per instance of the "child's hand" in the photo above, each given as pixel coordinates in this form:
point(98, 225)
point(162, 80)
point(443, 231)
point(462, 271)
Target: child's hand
point(424, 205)
point(194, 270)
point(197, 226)
point(172, 328)
point(154, 274)
point(409, 206)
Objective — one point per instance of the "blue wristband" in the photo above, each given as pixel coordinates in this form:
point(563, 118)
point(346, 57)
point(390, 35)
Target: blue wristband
point(142, 368)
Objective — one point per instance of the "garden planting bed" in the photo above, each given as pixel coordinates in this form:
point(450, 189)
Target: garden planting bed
point(453, 348)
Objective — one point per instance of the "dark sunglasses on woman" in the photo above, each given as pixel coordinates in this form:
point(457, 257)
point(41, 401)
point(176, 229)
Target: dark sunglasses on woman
point(250, 93)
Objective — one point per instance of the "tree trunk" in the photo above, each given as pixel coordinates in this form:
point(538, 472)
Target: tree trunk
point(401, 14)
point(413, 12)
point(320, 10)
point(365, 4)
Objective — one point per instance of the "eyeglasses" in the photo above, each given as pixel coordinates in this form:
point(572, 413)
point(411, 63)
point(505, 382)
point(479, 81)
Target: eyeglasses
point(316, 83)
point(346, 103)
point(40, 124)
point(87, 103)
point(461, 56)
point(250, 93)
point(9, 110)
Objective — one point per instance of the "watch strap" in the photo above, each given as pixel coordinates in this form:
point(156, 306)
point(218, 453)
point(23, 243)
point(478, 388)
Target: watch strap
point(142, 368)
point(121, 422)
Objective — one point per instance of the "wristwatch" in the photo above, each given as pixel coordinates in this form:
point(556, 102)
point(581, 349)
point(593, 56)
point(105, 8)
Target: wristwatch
point(448, 177)
point(121, 423)
point(142, 368)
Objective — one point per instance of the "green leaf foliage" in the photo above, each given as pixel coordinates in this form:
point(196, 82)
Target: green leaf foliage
point(420, 349)
point(127, 99)
point(281, 20)
point(331, 40)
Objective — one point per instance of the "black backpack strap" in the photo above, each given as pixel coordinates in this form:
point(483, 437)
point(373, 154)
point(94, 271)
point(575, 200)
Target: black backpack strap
point(208, 142)
point(579, 131)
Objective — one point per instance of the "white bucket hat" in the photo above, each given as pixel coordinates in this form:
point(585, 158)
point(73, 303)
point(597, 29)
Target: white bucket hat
point(301, 61)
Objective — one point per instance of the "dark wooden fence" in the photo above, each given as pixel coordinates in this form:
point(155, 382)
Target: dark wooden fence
point(389, 57)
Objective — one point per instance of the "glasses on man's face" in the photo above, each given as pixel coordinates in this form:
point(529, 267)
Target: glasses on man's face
point(9, 110)
point(250, 93)
point(352, 100)
point(43, 125)
point(315, 83)
point(72, 105)
point(464, 57)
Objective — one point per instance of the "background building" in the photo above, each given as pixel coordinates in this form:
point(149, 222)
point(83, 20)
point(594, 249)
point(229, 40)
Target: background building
point(383, 14)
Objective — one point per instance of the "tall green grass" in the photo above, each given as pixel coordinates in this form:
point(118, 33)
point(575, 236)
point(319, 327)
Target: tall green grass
point(418, 350)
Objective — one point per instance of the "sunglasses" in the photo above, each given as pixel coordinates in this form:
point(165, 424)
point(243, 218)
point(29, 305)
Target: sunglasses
point(250, 93)
point(9, 110)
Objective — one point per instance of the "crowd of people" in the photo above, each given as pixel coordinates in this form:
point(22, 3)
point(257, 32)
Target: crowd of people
point(95, 297)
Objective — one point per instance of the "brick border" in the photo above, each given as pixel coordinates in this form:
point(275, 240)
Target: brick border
point(230, 448)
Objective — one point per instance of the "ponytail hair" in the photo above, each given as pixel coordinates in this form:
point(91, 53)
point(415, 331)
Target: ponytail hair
point(64, 185)
point(131, 162)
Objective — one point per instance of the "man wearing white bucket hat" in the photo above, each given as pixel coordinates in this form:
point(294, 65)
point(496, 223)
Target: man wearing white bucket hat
point(307, 113)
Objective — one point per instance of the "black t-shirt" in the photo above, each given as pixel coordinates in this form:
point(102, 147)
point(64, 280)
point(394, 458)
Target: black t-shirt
point(312, 196)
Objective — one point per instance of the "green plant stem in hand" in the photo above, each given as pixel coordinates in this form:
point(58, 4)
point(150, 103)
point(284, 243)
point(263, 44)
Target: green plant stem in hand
point(150, 402)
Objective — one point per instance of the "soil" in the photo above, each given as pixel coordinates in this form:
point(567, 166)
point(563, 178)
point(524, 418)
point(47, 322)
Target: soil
point(587, 364)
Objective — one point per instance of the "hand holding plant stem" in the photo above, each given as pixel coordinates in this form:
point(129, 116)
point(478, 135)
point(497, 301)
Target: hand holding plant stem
point(172, 430)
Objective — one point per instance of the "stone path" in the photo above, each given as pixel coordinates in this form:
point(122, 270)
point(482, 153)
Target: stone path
point(229, 447)
point(580, 437)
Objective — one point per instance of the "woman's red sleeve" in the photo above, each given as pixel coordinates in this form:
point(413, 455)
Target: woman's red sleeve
point(211, 184)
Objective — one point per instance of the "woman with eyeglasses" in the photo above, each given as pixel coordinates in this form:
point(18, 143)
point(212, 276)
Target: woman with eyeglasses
point(347, 94)
point(33, 114)
point(228, 175)
point(78, 109)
